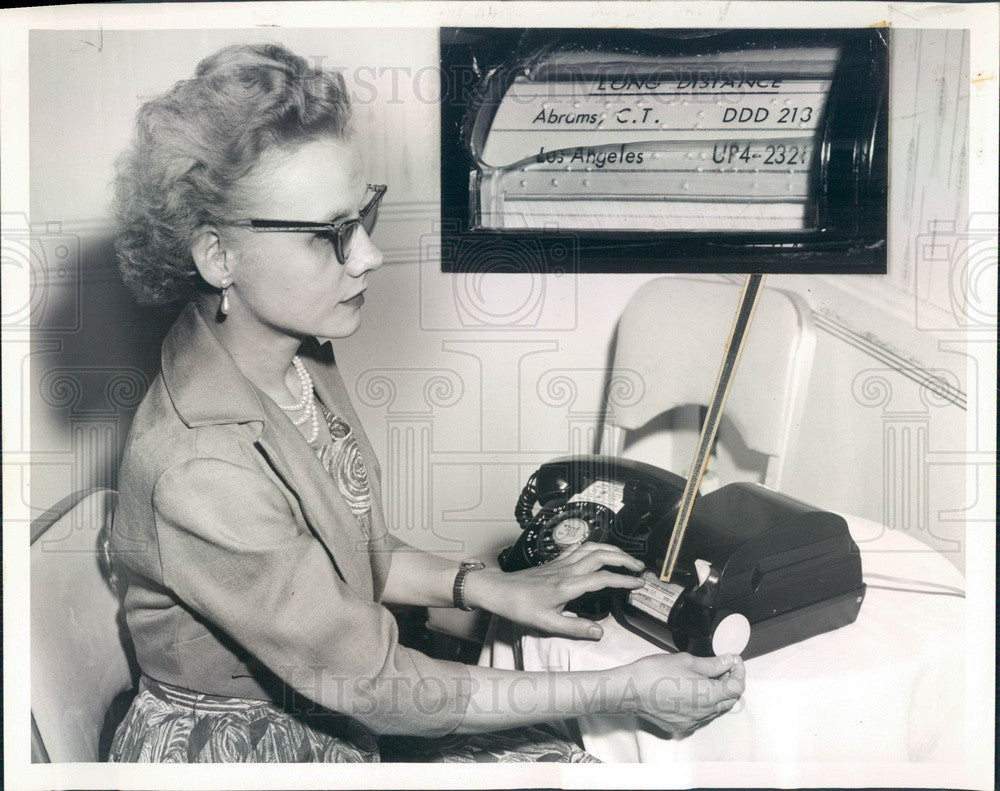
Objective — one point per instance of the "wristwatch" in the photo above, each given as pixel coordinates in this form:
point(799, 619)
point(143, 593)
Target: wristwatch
point(458, 589)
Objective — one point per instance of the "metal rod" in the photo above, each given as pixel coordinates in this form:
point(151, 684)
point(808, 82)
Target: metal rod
point(734, 349)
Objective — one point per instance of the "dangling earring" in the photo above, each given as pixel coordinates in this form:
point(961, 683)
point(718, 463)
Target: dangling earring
point(224, 304)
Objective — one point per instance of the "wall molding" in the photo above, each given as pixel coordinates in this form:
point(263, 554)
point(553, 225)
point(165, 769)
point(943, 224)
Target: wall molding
point(879, 350)
point(871, 315)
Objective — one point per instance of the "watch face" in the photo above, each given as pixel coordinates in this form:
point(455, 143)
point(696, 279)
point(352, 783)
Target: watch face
point(472, 565)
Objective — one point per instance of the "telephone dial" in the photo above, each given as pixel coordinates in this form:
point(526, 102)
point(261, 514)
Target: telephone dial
point(753, 559)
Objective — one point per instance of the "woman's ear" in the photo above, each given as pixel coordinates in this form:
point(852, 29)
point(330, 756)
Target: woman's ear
point(214, 262)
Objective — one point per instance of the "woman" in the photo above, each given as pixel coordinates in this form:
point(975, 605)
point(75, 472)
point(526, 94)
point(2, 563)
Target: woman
point(255, 550)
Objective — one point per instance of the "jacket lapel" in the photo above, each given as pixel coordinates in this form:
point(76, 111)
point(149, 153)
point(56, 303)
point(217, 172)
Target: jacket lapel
point(207, 388)
point(331, 519)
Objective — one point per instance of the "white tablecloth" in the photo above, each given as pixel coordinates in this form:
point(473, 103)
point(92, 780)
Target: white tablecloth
point(886, 688)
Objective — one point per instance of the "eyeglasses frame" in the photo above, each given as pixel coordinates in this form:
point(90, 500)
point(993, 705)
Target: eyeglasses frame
point(335, 230)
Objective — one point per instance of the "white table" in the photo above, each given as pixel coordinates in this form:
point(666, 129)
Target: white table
point(886, 688)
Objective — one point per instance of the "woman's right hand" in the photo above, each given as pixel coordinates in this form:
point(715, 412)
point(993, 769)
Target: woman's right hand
point(680, 692)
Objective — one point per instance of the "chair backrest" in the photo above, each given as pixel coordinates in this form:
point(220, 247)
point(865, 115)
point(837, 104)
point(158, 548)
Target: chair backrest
point(670, 345)
point(81, 659)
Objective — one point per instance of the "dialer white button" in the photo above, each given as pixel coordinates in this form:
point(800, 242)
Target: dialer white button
point(570, 531)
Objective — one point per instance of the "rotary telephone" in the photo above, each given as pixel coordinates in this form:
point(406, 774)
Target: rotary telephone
point(760, 570)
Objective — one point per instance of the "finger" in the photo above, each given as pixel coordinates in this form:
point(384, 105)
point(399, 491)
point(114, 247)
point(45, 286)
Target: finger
point(585, 563)
point(735, 685)
point(739, 671)
point(707, 692)
point(568, 554)
point(712, 666)
point(717, 710)
point(595, 555)
point(738, 675)
point(723, 706)
point(572, 626)
point(588, 547)
point(598, 580)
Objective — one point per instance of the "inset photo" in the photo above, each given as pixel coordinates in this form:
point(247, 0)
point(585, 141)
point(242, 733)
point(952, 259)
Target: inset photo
point(667, 150)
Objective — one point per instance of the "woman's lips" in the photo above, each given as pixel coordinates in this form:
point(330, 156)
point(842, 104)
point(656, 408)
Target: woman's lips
point(356, 301)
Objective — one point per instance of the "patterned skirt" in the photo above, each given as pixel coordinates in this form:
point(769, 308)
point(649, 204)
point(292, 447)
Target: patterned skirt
point(169, 724)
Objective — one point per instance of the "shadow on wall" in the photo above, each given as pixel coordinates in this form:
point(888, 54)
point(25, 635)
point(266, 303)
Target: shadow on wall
point(94, 352)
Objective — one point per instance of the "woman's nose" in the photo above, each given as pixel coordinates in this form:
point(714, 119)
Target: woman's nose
point(364, 256)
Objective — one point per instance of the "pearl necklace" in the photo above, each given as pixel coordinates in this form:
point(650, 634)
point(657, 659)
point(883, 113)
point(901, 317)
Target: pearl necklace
point(306, 402)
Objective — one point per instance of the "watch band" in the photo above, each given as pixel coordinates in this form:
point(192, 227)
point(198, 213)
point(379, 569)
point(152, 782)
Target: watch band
point(458, 588)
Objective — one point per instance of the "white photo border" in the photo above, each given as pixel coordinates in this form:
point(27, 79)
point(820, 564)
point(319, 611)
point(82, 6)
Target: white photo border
point(980, 19)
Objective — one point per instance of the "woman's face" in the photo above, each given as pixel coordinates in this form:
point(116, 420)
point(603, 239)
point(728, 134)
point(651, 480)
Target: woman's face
point(293, 282)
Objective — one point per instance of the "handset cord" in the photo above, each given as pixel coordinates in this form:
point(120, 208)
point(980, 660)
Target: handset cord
point(524, 510)
point(941, 590)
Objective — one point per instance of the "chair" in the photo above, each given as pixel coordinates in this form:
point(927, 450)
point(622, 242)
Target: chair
point(668, 351)
point(83, 668)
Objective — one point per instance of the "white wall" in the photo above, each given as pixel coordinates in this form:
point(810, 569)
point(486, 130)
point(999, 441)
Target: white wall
point(477, 367)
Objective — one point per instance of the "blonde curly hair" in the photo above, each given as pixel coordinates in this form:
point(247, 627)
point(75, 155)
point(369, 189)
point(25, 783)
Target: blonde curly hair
point(195, 143)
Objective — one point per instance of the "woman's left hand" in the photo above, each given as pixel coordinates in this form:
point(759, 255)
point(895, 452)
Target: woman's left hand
point(536, 596)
